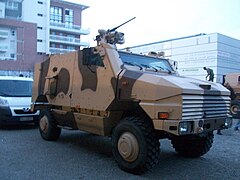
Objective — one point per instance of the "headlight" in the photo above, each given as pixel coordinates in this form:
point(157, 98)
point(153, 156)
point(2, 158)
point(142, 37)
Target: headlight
point(185, 127)
point(228, 123)
point(3, 102)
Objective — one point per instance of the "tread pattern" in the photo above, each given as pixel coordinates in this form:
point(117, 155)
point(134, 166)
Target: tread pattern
point(193, 146)
point(151, 142)
point(53, 131)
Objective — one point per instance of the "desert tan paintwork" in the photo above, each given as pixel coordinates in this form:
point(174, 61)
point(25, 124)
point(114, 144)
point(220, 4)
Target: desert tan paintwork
point(95, 97)
point(68, 61)
point(128, 147)
point(233, 79)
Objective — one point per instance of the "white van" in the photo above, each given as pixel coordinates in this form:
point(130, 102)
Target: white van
point(15, 100)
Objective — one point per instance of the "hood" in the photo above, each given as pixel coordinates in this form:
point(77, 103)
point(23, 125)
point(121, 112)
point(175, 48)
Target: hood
point(18, 101)
point(156, 86)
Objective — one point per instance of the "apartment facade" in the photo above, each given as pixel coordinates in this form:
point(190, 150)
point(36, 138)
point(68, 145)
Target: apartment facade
point(31, 30)
point(216, 51)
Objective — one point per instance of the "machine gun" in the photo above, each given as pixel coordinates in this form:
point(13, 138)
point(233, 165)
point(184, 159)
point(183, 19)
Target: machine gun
point(111, 36)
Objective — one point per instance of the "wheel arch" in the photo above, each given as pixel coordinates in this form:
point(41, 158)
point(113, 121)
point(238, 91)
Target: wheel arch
point(137, 111)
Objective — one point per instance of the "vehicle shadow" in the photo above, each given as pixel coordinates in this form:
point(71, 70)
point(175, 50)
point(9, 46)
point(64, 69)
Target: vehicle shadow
point(84, 141)
point(101, 147)
point(18, 127)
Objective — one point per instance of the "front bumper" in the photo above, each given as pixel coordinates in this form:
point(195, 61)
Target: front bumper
point(192, 126)
point(8, 116)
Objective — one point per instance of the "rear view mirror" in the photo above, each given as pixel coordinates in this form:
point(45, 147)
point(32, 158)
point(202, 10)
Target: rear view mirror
point(174, 64)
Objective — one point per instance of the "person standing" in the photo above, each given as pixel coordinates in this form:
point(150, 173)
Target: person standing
point(210, 74)
point(237, 126)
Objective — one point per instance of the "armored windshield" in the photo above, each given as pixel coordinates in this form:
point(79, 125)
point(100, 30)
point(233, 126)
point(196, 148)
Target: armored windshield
point(144, 61)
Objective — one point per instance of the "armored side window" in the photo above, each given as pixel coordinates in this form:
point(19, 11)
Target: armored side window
point(91, 57)
point(52, 86)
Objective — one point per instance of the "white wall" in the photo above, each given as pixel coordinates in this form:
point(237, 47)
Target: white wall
point(2, 10)
point(195, 53)
point(216, 51)
point(228, 55)
point(30, 11)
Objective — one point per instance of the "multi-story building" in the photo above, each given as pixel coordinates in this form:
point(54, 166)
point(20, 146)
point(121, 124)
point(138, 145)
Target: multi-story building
point(30, 30)
point(216, 51)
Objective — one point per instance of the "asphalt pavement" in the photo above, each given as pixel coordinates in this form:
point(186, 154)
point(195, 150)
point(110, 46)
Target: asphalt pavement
point(24, 155)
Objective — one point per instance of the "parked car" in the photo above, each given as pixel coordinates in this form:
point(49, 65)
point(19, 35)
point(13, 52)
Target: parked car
point(15, 100)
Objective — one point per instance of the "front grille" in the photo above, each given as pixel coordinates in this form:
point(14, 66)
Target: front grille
point(19, 111)
point(205, 106)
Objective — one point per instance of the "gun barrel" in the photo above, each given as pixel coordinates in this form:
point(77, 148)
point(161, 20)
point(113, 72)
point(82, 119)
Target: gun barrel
point(114, 29)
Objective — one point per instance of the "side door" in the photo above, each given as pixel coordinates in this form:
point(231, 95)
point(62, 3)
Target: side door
point(92, 84)
point(59, 79)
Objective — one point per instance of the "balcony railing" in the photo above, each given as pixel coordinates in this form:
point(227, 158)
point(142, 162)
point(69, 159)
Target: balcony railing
point(69, 28)
point(67, 40)
point(3, 48)
point(19, 1)
point(13, 17)
point(3, 34)
point(60, 50)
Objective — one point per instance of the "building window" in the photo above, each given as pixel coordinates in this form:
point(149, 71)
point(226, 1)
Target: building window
point(40, 2)
point(69, 17)
point(67, 12)
point(12, 5)
point(71, 47)
point(12, 56)
point(13, 32)
point(40, 14)
point(56, 14)
point(1, 13)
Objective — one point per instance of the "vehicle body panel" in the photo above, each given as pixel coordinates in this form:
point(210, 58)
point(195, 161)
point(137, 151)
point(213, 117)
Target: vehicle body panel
point(94, 92)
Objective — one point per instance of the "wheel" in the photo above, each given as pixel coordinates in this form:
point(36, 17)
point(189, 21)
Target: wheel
point(135, 147)
point(235, 108)
point(193, 145)
point(48, 126)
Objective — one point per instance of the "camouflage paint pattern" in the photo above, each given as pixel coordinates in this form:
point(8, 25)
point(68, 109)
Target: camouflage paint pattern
point(94, 97)
point(88, 73)
point(233, 79)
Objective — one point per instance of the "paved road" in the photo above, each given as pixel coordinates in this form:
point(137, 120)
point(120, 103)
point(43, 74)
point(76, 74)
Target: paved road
point(78, 155)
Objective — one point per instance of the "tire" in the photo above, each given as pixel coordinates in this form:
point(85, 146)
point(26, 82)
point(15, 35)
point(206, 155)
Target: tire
point(235, 108)
point(135, 147)
point(193, 145)
point(48, 126)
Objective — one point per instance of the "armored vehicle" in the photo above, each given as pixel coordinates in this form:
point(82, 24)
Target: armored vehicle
point(134, 99)
point(232, 82)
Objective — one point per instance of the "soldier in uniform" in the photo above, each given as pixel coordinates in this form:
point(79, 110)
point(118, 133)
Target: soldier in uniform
point(210, 74)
